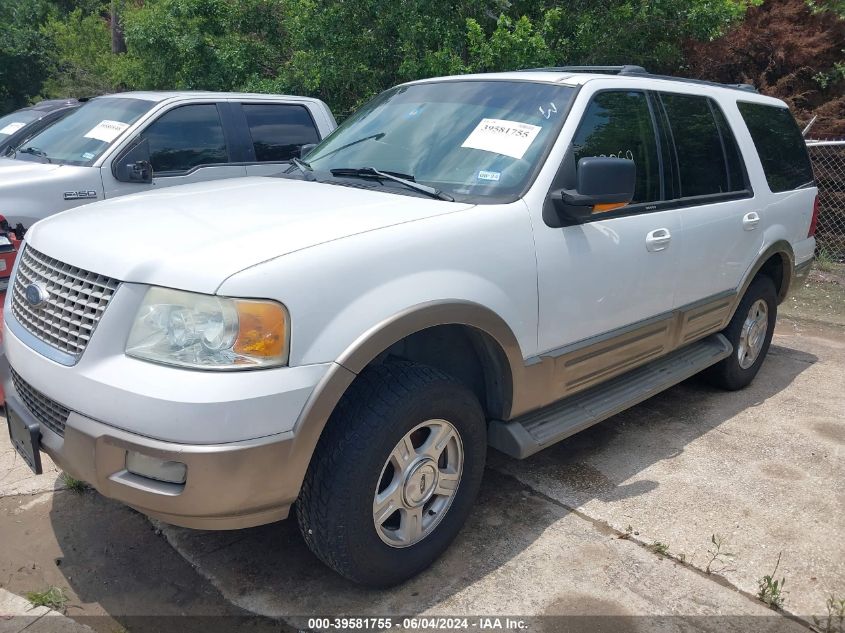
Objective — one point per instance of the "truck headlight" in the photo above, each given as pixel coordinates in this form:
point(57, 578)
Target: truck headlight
point(187, 329)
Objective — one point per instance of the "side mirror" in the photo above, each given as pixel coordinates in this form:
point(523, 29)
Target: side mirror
point(134, 165)
point(601, 181)
point(305, 149)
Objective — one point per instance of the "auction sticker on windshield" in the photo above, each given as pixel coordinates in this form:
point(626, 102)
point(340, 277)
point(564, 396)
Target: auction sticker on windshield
point(106, 130)
point(509, 138)
point(12, 128)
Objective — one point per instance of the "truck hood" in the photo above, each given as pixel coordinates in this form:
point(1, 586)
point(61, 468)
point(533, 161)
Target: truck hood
point(30, 191)
point(195, 236)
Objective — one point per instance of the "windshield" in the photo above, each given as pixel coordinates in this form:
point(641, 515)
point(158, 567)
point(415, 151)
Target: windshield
point(80, 137)
point(478, 141)
point(13, 122)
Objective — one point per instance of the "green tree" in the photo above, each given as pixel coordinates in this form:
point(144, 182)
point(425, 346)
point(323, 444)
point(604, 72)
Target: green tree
point(25, 57)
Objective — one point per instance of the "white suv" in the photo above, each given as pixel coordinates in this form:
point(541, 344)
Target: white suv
point(499, 259)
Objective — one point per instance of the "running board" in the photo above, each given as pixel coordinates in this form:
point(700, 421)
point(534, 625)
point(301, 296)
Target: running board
point(532, 432)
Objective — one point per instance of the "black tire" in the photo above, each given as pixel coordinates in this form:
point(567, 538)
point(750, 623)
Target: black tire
point(729, 373)
point(335, 506)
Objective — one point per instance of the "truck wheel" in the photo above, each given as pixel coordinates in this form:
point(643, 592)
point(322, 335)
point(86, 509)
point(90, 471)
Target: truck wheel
point(394, 475)
point(750, 332)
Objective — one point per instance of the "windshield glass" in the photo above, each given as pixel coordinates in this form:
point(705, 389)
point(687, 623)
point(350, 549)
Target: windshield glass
point(13, 122)
point(80, 137)
point(478, 141)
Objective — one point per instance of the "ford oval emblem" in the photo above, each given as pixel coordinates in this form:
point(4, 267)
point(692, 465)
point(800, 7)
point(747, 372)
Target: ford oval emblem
point(36, 295)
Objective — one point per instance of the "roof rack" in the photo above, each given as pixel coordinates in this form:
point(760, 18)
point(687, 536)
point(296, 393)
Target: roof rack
point(637, 71)
point(609, 70)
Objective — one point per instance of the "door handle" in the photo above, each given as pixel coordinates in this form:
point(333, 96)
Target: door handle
point(750, 221)
point(658, 240)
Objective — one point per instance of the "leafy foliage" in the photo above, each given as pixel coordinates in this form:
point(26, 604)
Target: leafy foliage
point(25, 56)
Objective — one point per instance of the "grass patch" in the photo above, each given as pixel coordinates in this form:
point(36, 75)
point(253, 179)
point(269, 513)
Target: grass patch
point(825, 260)
point(835, 616)
point(771, 590)
point(52, 598)
point(661, 549)
point(74, 485)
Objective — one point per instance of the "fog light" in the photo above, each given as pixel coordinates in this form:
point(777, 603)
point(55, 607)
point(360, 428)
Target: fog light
point(155, 468)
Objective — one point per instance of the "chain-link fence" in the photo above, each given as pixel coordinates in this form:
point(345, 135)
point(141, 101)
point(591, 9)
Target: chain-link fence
point(829, 166)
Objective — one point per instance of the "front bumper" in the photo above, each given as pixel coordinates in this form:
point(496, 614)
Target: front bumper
point(238, 433)
point(228, 486)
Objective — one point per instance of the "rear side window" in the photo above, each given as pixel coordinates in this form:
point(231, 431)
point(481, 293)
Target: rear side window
point(187, 137)
point(707, 156)
point(619, 124)
point(278, 131)
point(779, 145)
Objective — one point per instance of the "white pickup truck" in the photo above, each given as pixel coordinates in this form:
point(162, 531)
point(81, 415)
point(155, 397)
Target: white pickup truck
point(142, 141)
point(491, 260)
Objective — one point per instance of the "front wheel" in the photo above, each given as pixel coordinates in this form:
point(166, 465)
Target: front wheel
point(750, 332)
point(394, 475)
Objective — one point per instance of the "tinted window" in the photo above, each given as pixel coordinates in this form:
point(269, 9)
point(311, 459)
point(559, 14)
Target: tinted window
point(278, 131)
point(701, 151)
point(185, 138)
point(737, 179)
point(619, 124)
point(779, 144)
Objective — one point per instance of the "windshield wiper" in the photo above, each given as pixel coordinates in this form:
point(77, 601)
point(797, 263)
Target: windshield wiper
point(35, 152)
point(302, 166)
point(404, 179)
point(373, 137)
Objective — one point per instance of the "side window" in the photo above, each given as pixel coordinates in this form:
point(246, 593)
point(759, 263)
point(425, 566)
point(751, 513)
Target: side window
point(619, 123)
point(708, 161)
point(779, 145)
point(186, 137)
point(278, 131)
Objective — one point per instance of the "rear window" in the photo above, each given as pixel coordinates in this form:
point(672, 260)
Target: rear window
point(779, 144)
point(706, 152)
point(278, 131)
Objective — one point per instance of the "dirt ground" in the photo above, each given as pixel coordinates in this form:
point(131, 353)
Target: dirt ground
point(616, 521)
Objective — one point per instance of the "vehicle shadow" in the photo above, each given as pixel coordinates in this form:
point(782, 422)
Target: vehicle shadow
point(268, 570)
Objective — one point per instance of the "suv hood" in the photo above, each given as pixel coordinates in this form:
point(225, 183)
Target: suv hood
point(195, 236)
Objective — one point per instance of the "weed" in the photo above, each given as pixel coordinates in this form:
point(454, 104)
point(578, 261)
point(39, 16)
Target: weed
point(53, 598)
point(835, 616)
point(716, 553)
point(659, 548)
point(825, 261)
point(771, 590)
point(72, 484)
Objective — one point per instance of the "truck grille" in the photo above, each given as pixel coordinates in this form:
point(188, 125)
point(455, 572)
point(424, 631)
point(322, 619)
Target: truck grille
point(76, 300)
point(48, 412)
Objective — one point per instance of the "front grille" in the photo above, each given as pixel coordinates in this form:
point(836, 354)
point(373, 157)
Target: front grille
point(48, 412)
point(76, 300)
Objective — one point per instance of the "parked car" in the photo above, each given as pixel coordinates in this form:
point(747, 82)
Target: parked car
point(144, 141)
point(21, 124)
point(500, 259)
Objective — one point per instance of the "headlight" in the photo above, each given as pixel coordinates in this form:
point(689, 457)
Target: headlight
point(209, 332)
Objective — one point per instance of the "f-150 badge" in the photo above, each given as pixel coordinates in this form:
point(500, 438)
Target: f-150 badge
point(80, 195)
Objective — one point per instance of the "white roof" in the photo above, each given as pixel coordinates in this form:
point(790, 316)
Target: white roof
point(646, 81)
point(164, 95)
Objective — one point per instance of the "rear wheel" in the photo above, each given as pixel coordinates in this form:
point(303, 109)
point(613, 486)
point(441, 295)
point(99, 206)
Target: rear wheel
point(394, 475)
point(750, 332)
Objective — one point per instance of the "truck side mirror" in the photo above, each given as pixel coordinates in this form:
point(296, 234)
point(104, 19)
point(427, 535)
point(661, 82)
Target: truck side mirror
point(603, 184)
point(303, 151)
point(134, 164)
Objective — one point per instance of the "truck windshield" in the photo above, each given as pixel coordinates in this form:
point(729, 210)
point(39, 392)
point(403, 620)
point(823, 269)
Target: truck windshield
point(11, 123)
point(80, 137)
point(480, 141)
